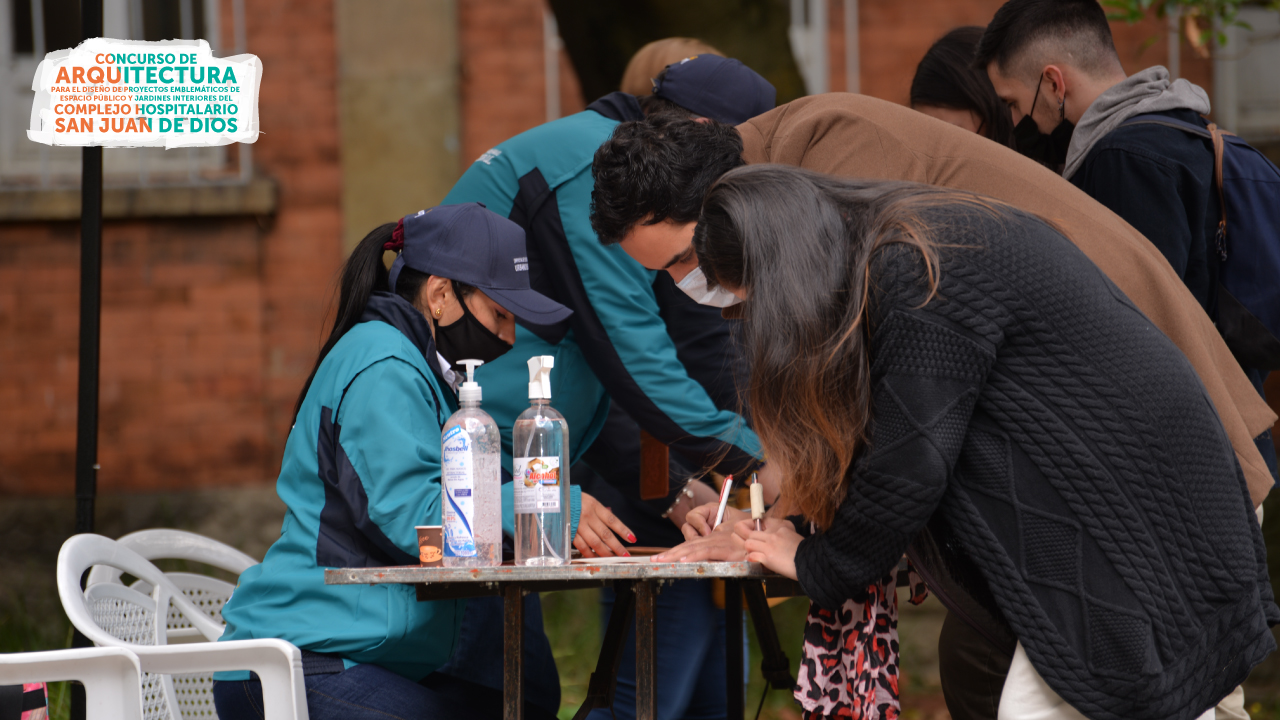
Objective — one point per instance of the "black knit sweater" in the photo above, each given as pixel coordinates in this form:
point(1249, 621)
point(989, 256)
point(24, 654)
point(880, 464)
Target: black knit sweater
point(1032, 425)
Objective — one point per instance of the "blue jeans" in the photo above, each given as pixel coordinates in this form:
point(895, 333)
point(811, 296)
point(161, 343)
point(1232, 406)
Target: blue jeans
point(468, 686)
point(477, 657)
point(369, 692)
point(690, 644)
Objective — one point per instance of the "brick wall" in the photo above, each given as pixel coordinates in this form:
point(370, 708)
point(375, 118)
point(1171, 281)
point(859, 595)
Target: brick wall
point(895, 35)
point(504, 72)
point(209, 325)
point(302, 251)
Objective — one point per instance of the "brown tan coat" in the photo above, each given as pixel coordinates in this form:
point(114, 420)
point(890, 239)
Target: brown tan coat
point(862, 137)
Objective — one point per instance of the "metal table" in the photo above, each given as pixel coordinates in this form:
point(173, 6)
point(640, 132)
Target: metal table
point(636, 586)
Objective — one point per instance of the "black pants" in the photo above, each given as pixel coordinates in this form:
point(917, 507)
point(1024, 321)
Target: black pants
point(972, 670)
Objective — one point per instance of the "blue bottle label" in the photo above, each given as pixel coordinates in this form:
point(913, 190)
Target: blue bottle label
point(459, 505)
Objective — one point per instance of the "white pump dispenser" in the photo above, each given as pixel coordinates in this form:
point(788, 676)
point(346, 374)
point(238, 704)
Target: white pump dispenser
point(540, 468)
point(469, 391)
point(471, 481)
point(540, 376)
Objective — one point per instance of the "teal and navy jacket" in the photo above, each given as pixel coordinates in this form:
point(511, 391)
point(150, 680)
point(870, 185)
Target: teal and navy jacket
point(361, 469)
point(541, 179)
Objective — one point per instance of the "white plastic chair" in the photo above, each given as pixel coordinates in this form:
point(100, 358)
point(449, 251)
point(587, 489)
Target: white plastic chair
point(111, 676)
point(111, 614)
point(208, 593)
point(192, 694)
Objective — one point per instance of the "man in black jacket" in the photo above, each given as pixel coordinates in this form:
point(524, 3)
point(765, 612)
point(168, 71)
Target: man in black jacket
point(1055, 64)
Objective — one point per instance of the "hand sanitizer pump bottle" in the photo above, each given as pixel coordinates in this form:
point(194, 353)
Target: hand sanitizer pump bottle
point(471, 480)
point(540, 444)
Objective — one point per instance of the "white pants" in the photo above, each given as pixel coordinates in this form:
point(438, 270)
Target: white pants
point(1027, 696)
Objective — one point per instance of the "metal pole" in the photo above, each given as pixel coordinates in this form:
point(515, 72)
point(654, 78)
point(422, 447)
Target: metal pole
point(646, 651)
point(513, 652)
point(90, 317)
point(733, 658)
point(90, 321)
point(90, 310)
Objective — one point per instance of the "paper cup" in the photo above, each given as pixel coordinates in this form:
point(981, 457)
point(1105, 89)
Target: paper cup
point(430, 546)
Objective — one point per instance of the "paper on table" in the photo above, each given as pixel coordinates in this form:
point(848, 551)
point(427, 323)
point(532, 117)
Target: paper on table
point(639, 553)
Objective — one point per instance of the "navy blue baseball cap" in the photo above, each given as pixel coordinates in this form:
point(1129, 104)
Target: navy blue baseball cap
point(476, 247)
point(719, 88)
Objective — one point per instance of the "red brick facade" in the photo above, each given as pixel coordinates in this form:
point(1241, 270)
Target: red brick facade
point(504, 87)
point(209, 325)
point(894, 36)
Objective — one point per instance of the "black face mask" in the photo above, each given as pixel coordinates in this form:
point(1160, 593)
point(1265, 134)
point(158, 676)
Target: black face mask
point(1049, 150)
point(468, 339)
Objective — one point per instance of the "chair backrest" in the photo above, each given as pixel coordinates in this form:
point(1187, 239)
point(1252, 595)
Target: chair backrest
point(110, 676)
point(165, 543)
point(131, 618)
point(110, 614)
point(208, 593)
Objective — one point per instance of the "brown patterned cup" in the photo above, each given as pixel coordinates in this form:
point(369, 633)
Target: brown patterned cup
point(430, 545)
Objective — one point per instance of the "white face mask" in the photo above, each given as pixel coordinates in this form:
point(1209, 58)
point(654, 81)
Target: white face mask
point(695, 286)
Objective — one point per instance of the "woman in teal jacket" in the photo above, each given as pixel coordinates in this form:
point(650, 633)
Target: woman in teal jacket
point(362, 467)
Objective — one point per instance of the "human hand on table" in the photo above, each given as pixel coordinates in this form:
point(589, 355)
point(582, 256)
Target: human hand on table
point(597, 526)
point(775, 546)
point(715, 546)
point(699, 520)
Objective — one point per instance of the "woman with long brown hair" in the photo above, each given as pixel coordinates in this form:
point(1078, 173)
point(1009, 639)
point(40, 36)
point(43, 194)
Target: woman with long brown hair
point(939, 374)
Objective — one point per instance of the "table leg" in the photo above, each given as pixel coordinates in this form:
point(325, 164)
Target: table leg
point(775, 666)
point(605, 677)
point(733, 661)
point(513, 652)
point(646, 653)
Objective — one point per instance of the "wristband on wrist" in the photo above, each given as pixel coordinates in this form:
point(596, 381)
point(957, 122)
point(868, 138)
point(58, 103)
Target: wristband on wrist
point(686, 491)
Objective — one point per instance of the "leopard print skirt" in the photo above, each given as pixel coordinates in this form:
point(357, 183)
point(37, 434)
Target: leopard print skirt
point(849, 663)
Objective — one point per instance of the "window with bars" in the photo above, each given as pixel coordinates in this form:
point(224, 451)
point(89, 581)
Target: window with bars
point(31, 28)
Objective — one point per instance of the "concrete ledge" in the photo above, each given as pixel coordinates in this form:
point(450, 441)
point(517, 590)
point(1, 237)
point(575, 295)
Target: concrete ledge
point(257, 197)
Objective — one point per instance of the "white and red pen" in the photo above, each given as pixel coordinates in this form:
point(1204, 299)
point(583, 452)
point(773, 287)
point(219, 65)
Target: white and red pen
point(724, 500)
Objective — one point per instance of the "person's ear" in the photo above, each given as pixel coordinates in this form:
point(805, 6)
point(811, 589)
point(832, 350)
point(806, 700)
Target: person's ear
point(1057, 83)
point(436, 296)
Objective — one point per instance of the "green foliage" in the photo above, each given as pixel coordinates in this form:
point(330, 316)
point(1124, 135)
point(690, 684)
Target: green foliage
point(1212, 16)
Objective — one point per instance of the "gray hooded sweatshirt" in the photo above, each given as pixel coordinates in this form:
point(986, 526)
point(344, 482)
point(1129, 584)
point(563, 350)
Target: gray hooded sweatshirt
point(1148, 91)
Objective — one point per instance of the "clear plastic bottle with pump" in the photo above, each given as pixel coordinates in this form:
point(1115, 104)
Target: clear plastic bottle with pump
point(540, 445)
point(471, 481)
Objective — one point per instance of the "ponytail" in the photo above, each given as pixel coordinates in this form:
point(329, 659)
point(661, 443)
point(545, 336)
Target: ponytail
point(362, 275)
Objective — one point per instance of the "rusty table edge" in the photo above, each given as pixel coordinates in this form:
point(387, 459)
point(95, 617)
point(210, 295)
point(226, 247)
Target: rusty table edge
point(414, 574)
